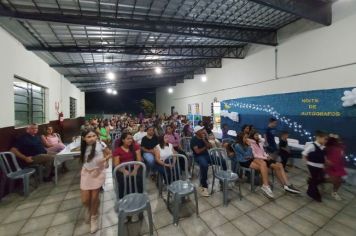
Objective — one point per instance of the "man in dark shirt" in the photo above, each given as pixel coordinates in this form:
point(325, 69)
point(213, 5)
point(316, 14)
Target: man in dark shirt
point(200, 146)
point(30, 150)
point(270, 136)
point(148, 143)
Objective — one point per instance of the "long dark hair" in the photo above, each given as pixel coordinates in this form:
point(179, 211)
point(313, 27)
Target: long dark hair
point(161, 141)
point(252, 134)
point(83, 146)
point(131, 147)
point(240, 140)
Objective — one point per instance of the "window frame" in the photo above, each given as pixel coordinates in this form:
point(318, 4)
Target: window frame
point(72, 105)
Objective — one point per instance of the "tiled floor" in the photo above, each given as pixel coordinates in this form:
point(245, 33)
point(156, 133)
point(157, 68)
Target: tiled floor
point(57, 210)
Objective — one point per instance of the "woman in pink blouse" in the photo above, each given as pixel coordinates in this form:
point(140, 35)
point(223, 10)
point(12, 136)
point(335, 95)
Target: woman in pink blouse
point(51, 141)
point(174, 139)
point(259, 153)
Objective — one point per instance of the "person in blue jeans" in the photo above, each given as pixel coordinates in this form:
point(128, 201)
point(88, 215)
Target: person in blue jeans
point(148, 143)
point(200, 146)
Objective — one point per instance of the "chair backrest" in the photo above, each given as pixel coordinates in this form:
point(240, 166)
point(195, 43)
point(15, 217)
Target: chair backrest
point(227, 140)
point(185, 142)
point(175, 172)
point(8, 163)
point(130, 183)
point(217, 157)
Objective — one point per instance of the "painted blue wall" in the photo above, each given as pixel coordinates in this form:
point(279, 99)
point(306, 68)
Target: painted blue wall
point(300, 114)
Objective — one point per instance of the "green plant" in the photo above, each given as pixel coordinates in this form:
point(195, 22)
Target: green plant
point(147, 106)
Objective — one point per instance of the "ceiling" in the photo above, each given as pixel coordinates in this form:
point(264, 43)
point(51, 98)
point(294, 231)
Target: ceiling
point(86, 39)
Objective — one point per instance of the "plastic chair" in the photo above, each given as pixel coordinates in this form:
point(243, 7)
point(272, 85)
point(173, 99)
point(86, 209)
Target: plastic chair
point(12, 170)
point(217, 155)
point(179, 185)
point(242, 171)
point(132, 202)
point(185, 143)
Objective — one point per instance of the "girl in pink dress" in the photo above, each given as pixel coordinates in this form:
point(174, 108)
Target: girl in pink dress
point(52, 142)
point(335, 163)
point(94, 156)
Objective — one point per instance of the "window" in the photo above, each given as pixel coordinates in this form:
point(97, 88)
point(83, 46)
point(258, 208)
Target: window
point(29, 103)
point(72, 107)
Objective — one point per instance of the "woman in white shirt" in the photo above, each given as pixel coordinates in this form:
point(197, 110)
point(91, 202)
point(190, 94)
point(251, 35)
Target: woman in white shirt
point(140, 134)
point(163, 151)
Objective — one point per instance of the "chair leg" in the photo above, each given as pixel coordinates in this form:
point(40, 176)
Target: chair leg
point(252, 176)
point(176, 209)
point(121, 224)
point(225, 183)
point(26, 185)
point(56, 174)
point(150, 220)
point(192, 167)
point(196, 201)
point(212, 186)
point(168, 199)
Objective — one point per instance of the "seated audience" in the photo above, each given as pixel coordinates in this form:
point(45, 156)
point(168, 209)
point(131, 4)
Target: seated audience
point(104, 132)
point(174, 139)
point(85, 126)
point(132, 127)
point(163, 150)
point(270, 137)
point(244, 156)
point(245, 129)
point(284, 150)
point(215, 143)
point(51, 141)
point(140, 134)
point(148, 143)
point(259, 153)
point(128, 151)
point(200, 146)
point(30, 150)
point(224, 129)
point(335, 163)
point(187, 130)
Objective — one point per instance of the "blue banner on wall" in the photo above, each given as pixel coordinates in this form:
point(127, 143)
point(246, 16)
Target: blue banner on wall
point(300, 113)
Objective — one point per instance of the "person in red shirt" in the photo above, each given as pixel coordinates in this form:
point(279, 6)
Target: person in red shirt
point(127, 151)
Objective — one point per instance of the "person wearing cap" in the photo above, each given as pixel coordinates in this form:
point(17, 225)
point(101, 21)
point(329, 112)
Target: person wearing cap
point(200, 146)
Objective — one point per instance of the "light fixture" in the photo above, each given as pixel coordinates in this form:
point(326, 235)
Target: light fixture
point(109, 91)
point(110, 76)
point(114, 92)
point(204, 78)
point(158, 70)
point(170, 90)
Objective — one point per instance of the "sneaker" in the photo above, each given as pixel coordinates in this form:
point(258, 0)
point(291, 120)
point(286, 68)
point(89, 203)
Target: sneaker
point(93, 224)
point(204, 192)
point(135, 219)
point(336, 196)
point(291, 189)
point(267, 191)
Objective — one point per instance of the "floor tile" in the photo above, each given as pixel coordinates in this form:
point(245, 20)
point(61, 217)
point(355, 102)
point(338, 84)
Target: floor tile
point(227, 229)
point(230, 212)
point(262, 217)
point(276, 210)
point(194, 226)
point(257, 199)
point(300, 224)
point(81, 228)
point(266, 233)
point(247, 226)
point(46, 209)
point(61, 230)
point(339, 229)
point(171, 230)
point(18, 215)
point(53, 198)
point(324, 210)
point(312, 216)
point(287, 203)
point(282, 229)
point(65, 217)
point(346, 220)
point(38, 223)
point(72, 194)
point(12, 228)
point(244, 205)
point(5, 212)
point(162, 219)
point(70, 204)
point(213, 218)
point(27, 204)
point(109, 219)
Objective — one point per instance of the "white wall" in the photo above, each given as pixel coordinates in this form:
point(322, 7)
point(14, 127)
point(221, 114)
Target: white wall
point(16, 60)
point(309, 57)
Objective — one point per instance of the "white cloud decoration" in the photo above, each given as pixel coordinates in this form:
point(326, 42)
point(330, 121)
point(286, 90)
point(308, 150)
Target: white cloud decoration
point(232, 115)
point(349, 98)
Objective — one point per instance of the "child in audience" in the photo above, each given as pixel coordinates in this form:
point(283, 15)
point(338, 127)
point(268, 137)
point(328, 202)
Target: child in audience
point(335, 163)
point(314, 154)
point(259, 153)
point(213, 141)
point(94, 156)
point(284, 150)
